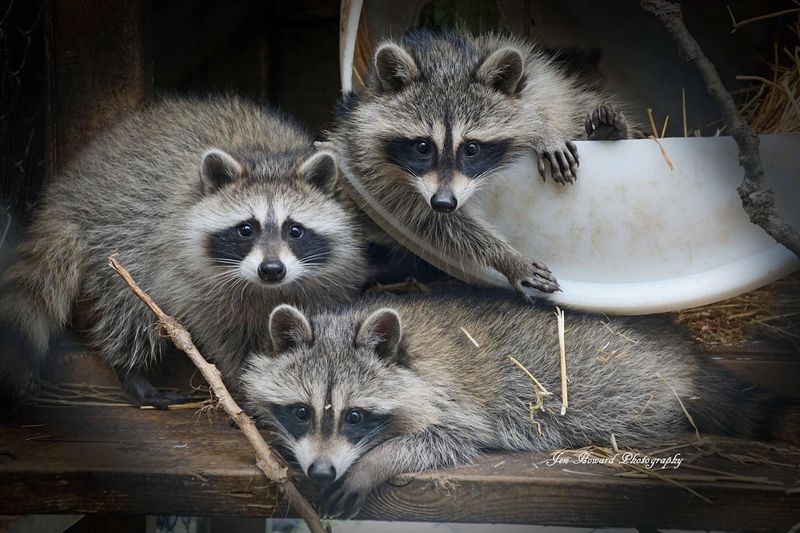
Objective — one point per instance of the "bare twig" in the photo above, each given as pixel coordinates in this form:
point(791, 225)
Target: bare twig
point(739, 23)
point(683, 109)
point(757, 198)
point(267, 460)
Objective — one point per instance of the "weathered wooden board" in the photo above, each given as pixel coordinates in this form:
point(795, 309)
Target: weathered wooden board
point(126, 460)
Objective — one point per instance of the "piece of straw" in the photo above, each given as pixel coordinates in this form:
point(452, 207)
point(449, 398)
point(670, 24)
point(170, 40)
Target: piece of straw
point(614, 444)
point(472, 340)
point(541, 388)
point(664, 127)
point(652, 122)
point(563, 353)
point(688, 416)
point(663, 153)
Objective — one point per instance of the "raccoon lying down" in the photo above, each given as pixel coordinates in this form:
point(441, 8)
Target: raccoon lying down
point(387, 386)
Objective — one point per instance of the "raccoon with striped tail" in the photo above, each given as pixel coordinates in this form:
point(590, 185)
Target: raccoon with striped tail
point(219, 208)
point(443, 114)
point(392, 385)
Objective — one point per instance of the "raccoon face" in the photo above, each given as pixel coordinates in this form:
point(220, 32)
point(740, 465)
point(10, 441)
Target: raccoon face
point(270, 223)
point(446, 116)
point(335, 391)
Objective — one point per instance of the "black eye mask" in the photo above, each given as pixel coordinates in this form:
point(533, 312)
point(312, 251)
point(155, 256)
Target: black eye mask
point(234, 243)
point(305, 243)
point(370, 424)
point(488, 156)
point(409, 155)
point(287, 417)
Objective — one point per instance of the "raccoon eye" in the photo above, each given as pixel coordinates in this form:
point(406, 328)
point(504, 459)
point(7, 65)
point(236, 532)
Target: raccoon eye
point(353, 416)
point(245, 230)
point(472, 148)
point(302, 412)
point(423, 147)
point(296, 231)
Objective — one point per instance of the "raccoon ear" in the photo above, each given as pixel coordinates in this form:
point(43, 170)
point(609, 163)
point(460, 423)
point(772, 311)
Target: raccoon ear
point(320, 170)
point(288, 327)
point(381, 331)
point(502, 71)
point(217, 169)
point(395, 67)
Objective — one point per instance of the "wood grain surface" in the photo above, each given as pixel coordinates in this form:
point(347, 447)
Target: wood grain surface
point(126, 460)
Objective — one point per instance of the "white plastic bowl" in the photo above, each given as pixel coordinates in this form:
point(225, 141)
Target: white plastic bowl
point(630, 236)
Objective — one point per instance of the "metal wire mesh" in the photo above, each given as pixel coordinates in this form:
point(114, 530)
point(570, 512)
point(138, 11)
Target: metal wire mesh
point(22, 106)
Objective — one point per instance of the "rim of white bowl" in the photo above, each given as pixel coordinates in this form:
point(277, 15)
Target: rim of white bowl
point(638, 298)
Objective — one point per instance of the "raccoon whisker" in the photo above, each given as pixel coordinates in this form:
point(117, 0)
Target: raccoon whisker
point(225, 286)
point(241, 290)
point(221, 261)
point(311, 264)
point(224, 278)
point(405, 168)
point(225, 272)
point(366, 438)
point(307, 260)
point(282, 432)
point(315, 256)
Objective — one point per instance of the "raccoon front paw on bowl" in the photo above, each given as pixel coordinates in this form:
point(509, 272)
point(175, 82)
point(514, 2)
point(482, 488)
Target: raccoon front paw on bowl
point(633, 236)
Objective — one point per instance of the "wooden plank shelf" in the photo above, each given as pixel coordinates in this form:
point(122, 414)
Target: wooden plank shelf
point(82, 460)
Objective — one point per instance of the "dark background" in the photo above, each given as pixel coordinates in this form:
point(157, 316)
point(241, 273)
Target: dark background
point(71, 67)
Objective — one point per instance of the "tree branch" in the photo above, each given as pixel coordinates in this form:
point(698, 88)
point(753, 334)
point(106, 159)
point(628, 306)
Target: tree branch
point(757, 198)
point(267, 460)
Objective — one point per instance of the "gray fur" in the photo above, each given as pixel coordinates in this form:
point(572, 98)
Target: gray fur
point(486, 88)
point(139, 190)
point(449, 399)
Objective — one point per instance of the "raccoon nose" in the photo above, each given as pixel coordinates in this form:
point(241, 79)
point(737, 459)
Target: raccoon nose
point(322, 472)
point(272, 270)
point(444, 202)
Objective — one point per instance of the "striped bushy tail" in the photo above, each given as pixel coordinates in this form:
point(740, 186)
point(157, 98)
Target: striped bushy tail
point(36, 296)
point(729, 407)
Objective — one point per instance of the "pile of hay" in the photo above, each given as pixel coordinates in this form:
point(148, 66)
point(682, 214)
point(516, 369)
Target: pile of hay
point(772, 105)
point(772, 311)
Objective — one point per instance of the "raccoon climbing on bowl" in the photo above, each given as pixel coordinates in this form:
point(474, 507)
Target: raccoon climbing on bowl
point(443, 114)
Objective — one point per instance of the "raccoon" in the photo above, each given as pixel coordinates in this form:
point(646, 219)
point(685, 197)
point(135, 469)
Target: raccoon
point(386, 386)
point(442, 113)
point(220, 210)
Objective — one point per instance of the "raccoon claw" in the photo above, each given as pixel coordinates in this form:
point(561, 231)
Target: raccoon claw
point(606, 124)
point(562, 163)
point(162, 400)
point(144, 393)
point(342, 500)
point(540, 279)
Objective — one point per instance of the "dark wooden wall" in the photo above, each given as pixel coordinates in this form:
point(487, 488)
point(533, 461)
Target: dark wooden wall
point(87, 62)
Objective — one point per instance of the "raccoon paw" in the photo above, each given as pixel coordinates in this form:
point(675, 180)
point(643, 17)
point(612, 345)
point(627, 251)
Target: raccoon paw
point(561, 162)
point(163, 399)
point(533, 275)
point(143, 392)
point(344, 498)
point(606, 124)
point(14, 396)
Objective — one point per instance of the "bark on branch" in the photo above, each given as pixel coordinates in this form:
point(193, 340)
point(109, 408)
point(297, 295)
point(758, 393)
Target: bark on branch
point(757, 198)
point(267, 460)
